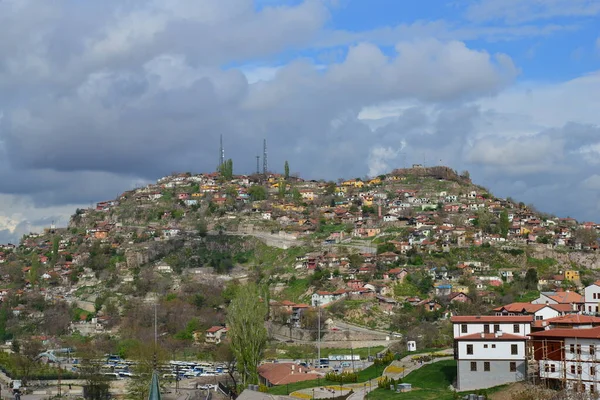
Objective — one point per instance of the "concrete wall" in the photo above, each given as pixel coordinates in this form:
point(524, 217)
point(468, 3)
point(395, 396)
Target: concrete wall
point(499, 374)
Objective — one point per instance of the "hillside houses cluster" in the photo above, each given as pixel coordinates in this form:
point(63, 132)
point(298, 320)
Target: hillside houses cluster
point(408, 215)
point(554, 338)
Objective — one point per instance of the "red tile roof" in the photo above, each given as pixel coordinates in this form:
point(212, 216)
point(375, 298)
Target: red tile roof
point(521, 307)
point(574, 319)
point(283, 373)
point(567, 297)
point(215, 329)
point(491, 318)
point(491, 336)
point(591, 333)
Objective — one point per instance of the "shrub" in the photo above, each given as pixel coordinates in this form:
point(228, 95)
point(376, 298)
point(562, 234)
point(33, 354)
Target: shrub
point(344, 377)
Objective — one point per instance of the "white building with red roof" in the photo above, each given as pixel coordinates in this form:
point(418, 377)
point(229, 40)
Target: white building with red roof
point(490, 350)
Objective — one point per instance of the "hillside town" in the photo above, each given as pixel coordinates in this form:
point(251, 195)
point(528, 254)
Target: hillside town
point(404, 255)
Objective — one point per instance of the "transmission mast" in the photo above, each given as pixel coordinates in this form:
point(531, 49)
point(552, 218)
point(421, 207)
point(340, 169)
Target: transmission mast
point(221, 154)
point(265, 162)
point(257, 165)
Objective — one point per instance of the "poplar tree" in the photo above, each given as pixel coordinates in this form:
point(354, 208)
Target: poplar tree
point(247, 333)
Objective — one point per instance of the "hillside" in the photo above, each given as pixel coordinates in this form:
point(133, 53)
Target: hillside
point(391, 252)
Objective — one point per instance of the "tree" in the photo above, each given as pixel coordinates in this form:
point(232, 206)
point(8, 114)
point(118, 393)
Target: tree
point(504, 224)
point(585, 236)
point(531, 279)
point(257, 192)
point(201, 228)
point(245, 318)
point(282, 187)
point(226, 170)
point(286, 169)
point(297, 196)
point(96, 384)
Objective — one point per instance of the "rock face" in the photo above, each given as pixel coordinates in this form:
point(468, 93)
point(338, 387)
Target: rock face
point(567, 259)
point(138, 256)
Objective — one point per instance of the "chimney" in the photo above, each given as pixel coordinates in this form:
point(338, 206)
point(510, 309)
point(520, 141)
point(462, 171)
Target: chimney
point(482, 334)
point(499, 334)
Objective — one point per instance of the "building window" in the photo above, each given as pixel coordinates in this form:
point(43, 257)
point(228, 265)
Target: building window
point(578, 349)
point(473, 366)
point(594, 296)
point(572, 349)
point(592, 349)
point(579, 370)
point(496, 328)
point(486, 328)
point(486, 366)
point(493, 346)
point(516, 328)
point(592, 388)
point(592, 370)
point(513, 366)
point(514, 349)
point(572, 369)
point(469, 349)
point(463, 328)
point(547, 368)
point(552, 367)
point(485, 346)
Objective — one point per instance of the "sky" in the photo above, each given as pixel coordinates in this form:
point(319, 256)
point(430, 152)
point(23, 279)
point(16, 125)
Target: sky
point(98, 97)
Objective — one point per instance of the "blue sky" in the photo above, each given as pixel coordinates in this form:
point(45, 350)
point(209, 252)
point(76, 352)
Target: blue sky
point(98, 97)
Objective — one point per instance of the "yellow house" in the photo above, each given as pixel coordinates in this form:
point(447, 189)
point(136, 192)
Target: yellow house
point(572, 275)
point(375, 181)
point(368, 201)
point(524, 231)
point(353, 182)
point(460, 288)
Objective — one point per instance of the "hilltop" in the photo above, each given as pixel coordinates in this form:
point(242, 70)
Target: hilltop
point(392, 252)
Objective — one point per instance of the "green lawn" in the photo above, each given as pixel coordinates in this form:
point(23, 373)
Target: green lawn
point(438, 375)
point(429, 383)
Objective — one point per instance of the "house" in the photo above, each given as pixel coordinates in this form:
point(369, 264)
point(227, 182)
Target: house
point(568, 356)
point(467, 325)
point(459, 297)
point(486, 357)
point(576, 300)
point(592, 298)
point(539, 311)
point(215, 334)
point(396, 274)
point(322, 298)
point(386, 304)
point(273, 374)
point(573, 321)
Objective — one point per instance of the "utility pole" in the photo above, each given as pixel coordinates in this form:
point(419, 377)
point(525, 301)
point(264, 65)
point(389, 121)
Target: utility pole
point(59, 394)
point(319, 333)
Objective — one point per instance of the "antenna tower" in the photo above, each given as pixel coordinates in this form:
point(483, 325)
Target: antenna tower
point(265, 163)
point(221, 153)
point(257, 165)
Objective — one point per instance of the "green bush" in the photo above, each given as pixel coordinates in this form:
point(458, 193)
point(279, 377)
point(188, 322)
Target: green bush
point(344, 377)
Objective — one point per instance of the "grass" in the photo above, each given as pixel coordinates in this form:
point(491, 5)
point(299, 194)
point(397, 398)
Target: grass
point(429, 382)
point(438, 375)
point(295, 290)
